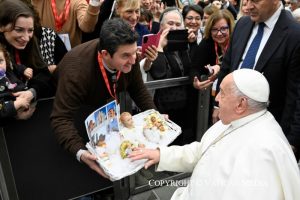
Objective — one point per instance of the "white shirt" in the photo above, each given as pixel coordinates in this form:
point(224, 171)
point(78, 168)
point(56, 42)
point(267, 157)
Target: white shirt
point(251, 160)
point(269, 27)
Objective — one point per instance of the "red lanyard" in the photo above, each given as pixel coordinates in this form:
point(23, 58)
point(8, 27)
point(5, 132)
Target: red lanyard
point(17, 57)
point(106, 79)
point(62, 18)
point(223, 52)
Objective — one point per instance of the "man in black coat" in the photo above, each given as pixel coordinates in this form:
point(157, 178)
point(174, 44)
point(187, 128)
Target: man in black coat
point(278, 58)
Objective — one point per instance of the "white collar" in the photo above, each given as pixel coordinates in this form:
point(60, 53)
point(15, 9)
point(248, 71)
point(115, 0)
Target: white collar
point(108, 69)
point(270, 23)
point(243, 121)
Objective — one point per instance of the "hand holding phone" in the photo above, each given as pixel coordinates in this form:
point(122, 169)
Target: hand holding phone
point(149, 40)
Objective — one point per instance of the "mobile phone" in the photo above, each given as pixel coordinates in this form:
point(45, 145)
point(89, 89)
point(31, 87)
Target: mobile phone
point(149, 40)
point(177, 40)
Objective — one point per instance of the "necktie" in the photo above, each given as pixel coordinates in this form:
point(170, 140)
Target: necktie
point(252, 51)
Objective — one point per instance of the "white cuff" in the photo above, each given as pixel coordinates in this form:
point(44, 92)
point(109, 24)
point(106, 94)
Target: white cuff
point(95, 3)
point(79, 153)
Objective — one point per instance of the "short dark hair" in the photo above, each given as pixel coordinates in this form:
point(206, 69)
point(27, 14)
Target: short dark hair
point(186, 9)
point(11, 10)
point(116, 32)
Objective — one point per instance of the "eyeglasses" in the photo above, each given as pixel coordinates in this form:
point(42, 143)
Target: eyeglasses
point(223, 30)
point(190, 18)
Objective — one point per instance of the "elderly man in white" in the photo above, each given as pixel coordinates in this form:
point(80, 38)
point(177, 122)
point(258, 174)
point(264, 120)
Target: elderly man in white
point(243, 156)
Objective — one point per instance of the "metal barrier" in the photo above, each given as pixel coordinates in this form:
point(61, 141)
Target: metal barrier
point(123, 188)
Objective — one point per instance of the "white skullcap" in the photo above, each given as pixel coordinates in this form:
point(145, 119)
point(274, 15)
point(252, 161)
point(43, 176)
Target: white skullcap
point(252, 83)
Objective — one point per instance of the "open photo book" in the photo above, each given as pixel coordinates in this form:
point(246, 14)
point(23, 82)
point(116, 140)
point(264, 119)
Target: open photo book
point(113, 136)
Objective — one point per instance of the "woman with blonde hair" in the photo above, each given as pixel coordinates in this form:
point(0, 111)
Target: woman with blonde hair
point(129, 10)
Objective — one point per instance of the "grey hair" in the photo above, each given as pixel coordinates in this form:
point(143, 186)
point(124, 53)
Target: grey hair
point(169, 10)
point(252, 104)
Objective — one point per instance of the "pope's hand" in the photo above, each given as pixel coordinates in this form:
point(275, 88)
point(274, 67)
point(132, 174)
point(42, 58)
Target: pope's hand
point(153, 156)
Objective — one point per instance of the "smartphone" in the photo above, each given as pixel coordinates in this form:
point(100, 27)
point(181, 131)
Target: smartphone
point(149, 40)
point(177, 40)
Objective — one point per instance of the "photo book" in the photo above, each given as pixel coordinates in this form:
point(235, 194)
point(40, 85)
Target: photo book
point(113, 136)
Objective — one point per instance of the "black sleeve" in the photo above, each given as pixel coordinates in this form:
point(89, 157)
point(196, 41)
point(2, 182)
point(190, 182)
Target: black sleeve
point(59, 50)
point(159, 67)
point(203, 55)
point(43, 83)
point(19, 70)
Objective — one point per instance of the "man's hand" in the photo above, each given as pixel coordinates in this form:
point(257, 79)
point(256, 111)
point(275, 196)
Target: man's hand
point(90, 160)
point(153, 156)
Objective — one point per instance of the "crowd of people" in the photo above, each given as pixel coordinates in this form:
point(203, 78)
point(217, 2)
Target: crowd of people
point(86, 52)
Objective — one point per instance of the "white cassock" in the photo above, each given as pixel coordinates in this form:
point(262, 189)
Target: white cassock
point(250, 159)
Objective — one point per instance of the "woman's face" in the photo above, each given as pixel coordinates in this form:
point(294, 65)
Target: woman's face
point(19, 35)
point(220, 31)
point(130, 14)
point(245, 10)
point(192, 20)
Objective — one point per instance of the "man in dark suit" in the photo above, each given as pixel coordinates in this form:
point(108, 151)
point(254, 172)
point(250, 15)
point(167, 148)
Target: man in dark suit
point(278, 58)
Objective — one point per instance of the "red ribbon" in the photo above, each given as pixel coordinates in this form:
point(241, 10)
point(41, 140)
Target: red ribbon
point(223, 52)
point(62, 18)
point(101, 66)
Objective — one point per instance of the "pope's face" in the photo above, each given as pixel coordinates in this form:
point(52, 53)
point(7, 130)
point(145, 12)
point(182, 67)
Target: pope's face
point(227, 100)
point(19, 35)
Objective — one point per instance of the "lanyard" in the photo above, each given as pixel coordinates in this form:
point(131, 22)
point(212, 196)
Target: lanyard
point(223, 52)
point(100, 62)
point(62, 18)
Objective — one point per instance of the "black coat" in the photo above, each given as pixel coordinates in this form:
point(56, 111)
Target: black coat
point(280, 63)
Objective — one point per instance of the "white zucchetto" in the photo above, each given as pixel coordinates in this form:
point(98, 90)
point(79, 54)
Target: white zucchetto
point(252, 83)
